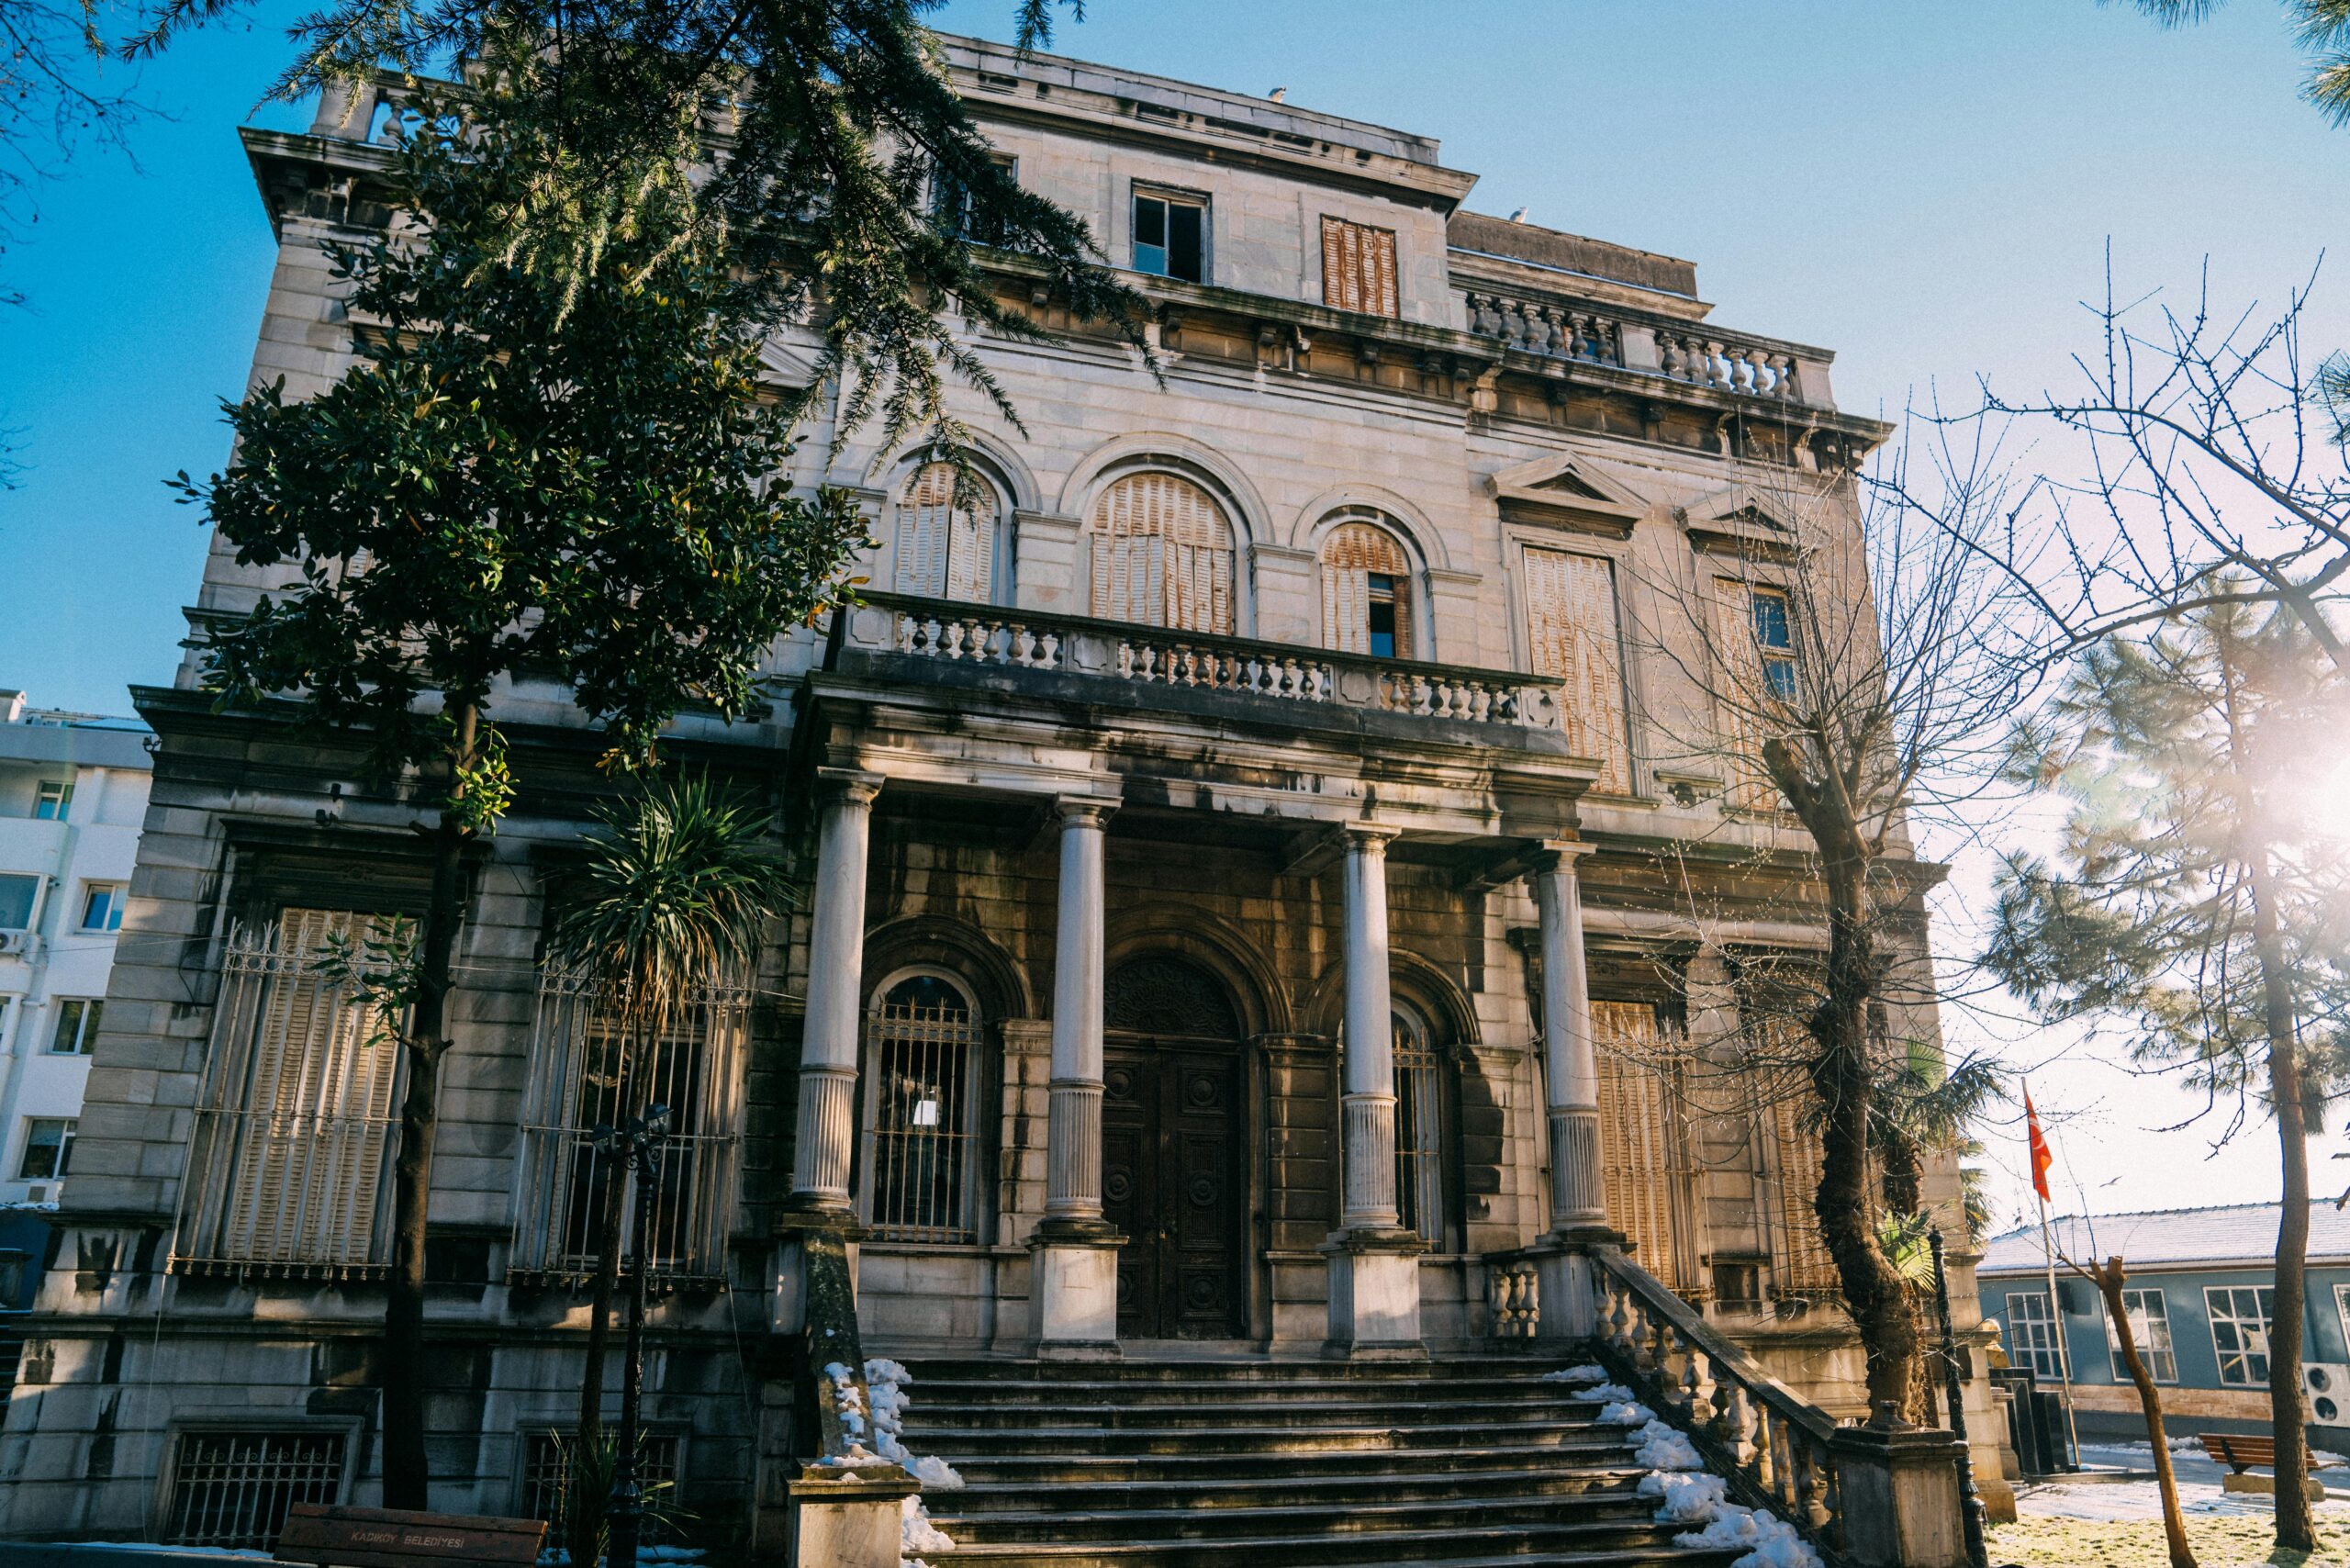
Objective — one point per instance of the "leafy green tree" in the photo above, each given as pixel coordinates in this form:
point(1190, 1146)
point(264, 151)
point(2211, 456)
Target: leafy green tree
point(671, 902)
point(567, 473)
point(2198, 898)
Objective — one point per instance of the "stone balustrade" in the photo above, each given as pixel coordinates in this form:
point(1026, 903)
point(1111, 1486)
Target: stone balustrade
point(1150, 658)
point(1741, 368)
point(1555, 330)
point(1513, 1295)
point(1726, 364)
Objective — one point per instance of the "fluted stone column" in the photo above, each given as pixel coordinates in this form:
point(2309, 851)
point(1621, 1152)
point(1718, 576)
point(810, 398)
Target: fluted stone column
point(1374, 1262)
point(1570, 1078)
point(828, 1046)
point(1075, 1251)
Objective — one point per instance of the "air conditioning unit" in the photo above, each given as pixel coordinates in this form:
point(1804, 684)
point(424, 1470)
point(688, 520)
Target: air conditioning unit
point(2328, 1383)
point(16, 944)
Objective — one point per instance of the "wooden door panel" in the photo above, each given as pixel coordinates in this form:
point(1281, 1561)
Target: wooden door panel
point(1172, 1146)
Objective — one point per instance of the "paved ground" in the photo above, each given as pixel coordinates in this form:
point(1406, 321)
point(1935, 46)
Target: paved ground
point(2119, 1524)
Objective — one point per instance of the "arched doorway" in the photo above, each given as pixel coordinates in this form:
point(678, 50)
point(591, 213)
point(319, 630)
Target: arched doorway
point(1174, 1143)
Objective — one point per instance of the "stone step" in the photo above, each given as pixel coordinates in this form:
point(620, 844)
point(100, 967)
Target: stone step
point(1254, 1490)
point(985, 1442)
point(1568, 1546)
point(1621, 1510)
point(1244, 1368)
point(1525, 1389)
point(1407, 1410)
point(1193, 1465)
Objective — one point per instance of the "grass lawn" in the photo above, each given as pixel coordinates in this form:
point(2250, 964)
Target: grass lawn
point(2039, 1541)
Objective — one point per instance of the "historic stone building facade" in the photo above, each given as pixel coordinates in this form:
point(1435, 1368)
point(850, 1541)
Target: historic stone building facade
point(1331, 689)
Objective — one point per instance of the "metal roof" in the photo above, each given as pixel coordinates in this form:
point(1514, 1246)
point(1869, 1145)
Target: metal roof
point(2235, 1234)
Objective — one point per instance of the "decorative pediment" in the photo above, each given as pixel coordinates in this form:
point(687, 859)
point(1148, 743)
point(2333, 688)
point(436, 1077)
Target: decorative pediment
point(1567, 491)
point(1740, 522)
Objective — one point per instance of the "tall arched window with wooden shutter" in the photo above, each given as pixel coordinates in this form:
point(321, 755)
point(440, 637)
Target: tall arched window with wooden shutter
point(945, 550)
point(1162, 554)
point(1572, 633)
point(1643, 1140)
point(1367, 594)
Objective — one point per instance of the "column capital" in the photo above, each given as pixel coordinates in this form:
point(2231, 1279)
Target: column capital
point(852, 784)
point(1555, 855)
point(1369, 835)
point(1083, 811)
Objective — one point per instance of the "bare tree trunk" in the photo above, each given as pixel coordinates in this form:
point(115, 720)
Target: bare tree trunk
point(407, 1472)
point(2108, 1278)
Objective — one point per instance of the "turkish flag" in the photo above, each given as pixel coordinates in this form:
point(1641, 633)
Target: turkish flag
point(2040, 1158)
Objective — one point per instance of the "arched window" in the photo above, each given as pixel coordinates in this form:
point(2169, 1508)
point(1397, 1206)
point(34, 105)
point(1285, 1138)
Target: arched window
point(1424, 1181)
point(922, 1102)
point(1162, 554)
point(1367, 594)
point(945, 550)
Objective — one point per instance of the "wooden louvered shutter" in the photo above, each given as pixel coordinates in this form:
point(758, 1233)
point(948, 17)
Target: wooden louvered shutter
point(1357, 268)
point(1641, 1146)
point(1799, 1256)
point(1573, 634)
point(1162, 556)
point(1741, 666)
point(944, 551)
point(1354, 552)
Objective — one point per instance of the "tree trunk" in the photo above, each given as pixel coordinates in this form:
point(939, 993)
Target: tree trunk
point(2108, 1280)
point(2295, 1529)
point(406, 1476)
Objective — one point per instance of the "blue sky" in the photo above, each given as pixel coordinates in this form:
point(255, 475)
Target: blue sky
point(1927, 187)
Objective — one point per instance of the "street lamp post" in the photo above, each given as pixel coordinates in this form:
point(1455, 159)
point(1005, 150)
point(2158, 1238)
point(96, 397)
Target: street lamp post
point(638, 1138)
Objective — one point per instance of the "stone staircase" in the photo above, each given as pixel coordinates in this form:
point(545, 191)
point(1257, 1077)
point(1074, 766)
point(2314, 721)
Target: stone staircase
point(1254, 1463)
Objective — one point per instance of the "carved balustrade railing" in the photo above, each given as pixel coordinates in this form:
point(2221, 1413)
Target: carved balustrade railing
point(1728, 364)
point(1558, 330)
point(1513, 1295)
point(1148, 657)
point(1720, 362)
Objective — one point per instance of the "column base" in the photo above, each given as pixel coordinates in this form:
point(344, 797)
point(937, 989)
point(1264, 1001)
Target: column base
point(1073, 1277)
point(1375, 1294)
point(815, 1267)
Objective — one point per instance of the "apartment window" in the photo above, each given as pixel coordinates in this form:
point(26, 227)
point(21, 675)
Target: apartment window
point(2150, 1327)
point(1357, 268)
point(295, 1129)
point(48, 1149)
point(1162, 554)
point(1573, 634)
point(594, 1066)
point(101, 906)
point(945, 550)
point(921, 1109)
point(951, 205)
point(54, 799)
point(1367, 593)
point(2033, 1340)
point(77, 1026)
point(2239, 1318)
point(232, 1490)
point(1171, 236)
point(1775, 642)
point(16, 898)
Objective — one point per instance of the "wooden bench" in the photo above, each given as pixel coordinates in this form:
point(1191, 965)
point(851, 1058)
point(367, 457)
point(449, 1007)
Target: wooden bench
point(393, 1537)
point(2240, 1454)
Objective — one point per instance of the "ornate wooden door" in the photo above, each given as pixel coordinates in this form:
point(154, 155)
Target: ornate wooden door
point(1172, 1146)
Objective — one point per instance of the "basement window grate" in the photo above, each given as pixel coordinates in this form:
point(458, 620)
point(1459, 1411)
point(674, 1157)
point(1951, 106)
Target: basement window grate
point(232, 1489)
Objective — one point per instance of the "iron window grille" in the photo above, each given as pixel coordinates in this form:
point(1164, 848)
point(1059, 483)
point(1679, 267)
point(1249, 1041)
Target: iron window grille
point(921, 1105)
point(296, 1122)
point(544, 1485)
point(2150, 1326)
point(2240, 1318)
point(1422, 1188)
point(2032, 1338)
point(232, 1489)
point(593, 1063)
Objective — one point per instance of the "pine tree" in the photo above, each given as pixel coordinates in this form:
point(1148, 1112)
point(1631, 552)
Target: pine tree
point(2200, 898)
point(567, 471)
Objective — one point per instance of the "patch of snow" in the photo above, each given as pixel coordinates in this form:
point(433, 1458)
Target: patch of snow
point(1687, 1499)
point(1586, 1375)
point(1662, 1448)
point(916, 1533)
point(1771, 1542)
point(1626, 1413)
point(933, 1470)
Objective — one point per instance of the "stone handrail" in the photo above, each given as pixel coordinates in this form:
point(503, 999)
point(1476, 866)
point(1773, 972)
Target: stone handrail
point(1693, 355)
point(1148, 656)
point(1771, 1442)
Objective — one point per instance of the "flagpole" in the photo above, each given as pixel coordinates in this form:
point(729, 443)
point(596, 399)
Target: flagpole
point(2041, 1159)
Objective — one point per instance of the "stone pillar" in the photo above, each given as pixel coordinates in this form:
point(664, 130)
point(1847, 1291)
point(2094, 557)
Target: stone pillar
point(1074, 1249)
point(1570, 1079)
point(1897, 1494)
point(1374, 1262)
point(828, 1046)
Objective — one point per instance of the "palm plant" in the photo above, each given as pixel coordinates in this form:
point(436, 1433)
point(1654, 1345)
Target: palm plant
point(671, 901)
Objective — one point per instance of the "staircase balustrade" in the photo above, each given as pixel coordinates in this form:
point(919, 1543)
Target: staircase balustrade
point(1513, 1295)
point(934, 630)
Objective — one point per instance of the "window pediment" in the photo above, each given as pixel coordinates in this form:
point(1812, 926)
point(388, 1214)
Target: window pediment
point(1566, 491)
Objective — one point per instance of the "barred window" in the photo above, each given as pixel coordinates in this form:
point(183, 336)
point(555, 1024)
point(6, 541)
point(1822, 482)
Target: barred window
point(922, 1112)
point(545, 1482)
point(591, 1068)
point(295, 1127)
point(232, 1489)
point(1423, 1169)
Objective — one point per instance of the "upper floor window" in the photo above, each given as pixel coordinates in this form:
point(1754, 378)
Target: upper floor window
point(1367, 593)
point(946, 550)
point(951, 205)
point(1573, 634)
point(2150, 1327)
point(77, 1026)
point(101, 906)
point(17, 894)
point(53, 800)
point(1162, 554)
point(923, 1104)
point(2240, 1315)
point(49, 1147)
point(1357, 268)
point(1171, 235)
point(1775, 642)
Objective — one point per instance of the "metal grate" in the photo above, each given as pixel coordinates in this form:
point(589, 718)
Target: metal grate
point(1420, 1165)
point(232, 1489)
point(921, 1102)
point(589, 1069)
point(296, 1123)
point(544, 1484)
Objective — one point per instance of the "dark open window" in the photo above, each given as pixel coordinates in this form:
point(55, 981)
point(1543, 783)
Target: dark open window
point(1170, 236)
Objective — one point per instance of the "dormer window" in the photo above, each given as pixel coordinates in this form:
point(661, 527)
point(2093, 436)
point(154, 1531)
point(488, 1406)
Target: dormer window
point(1171, 236)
